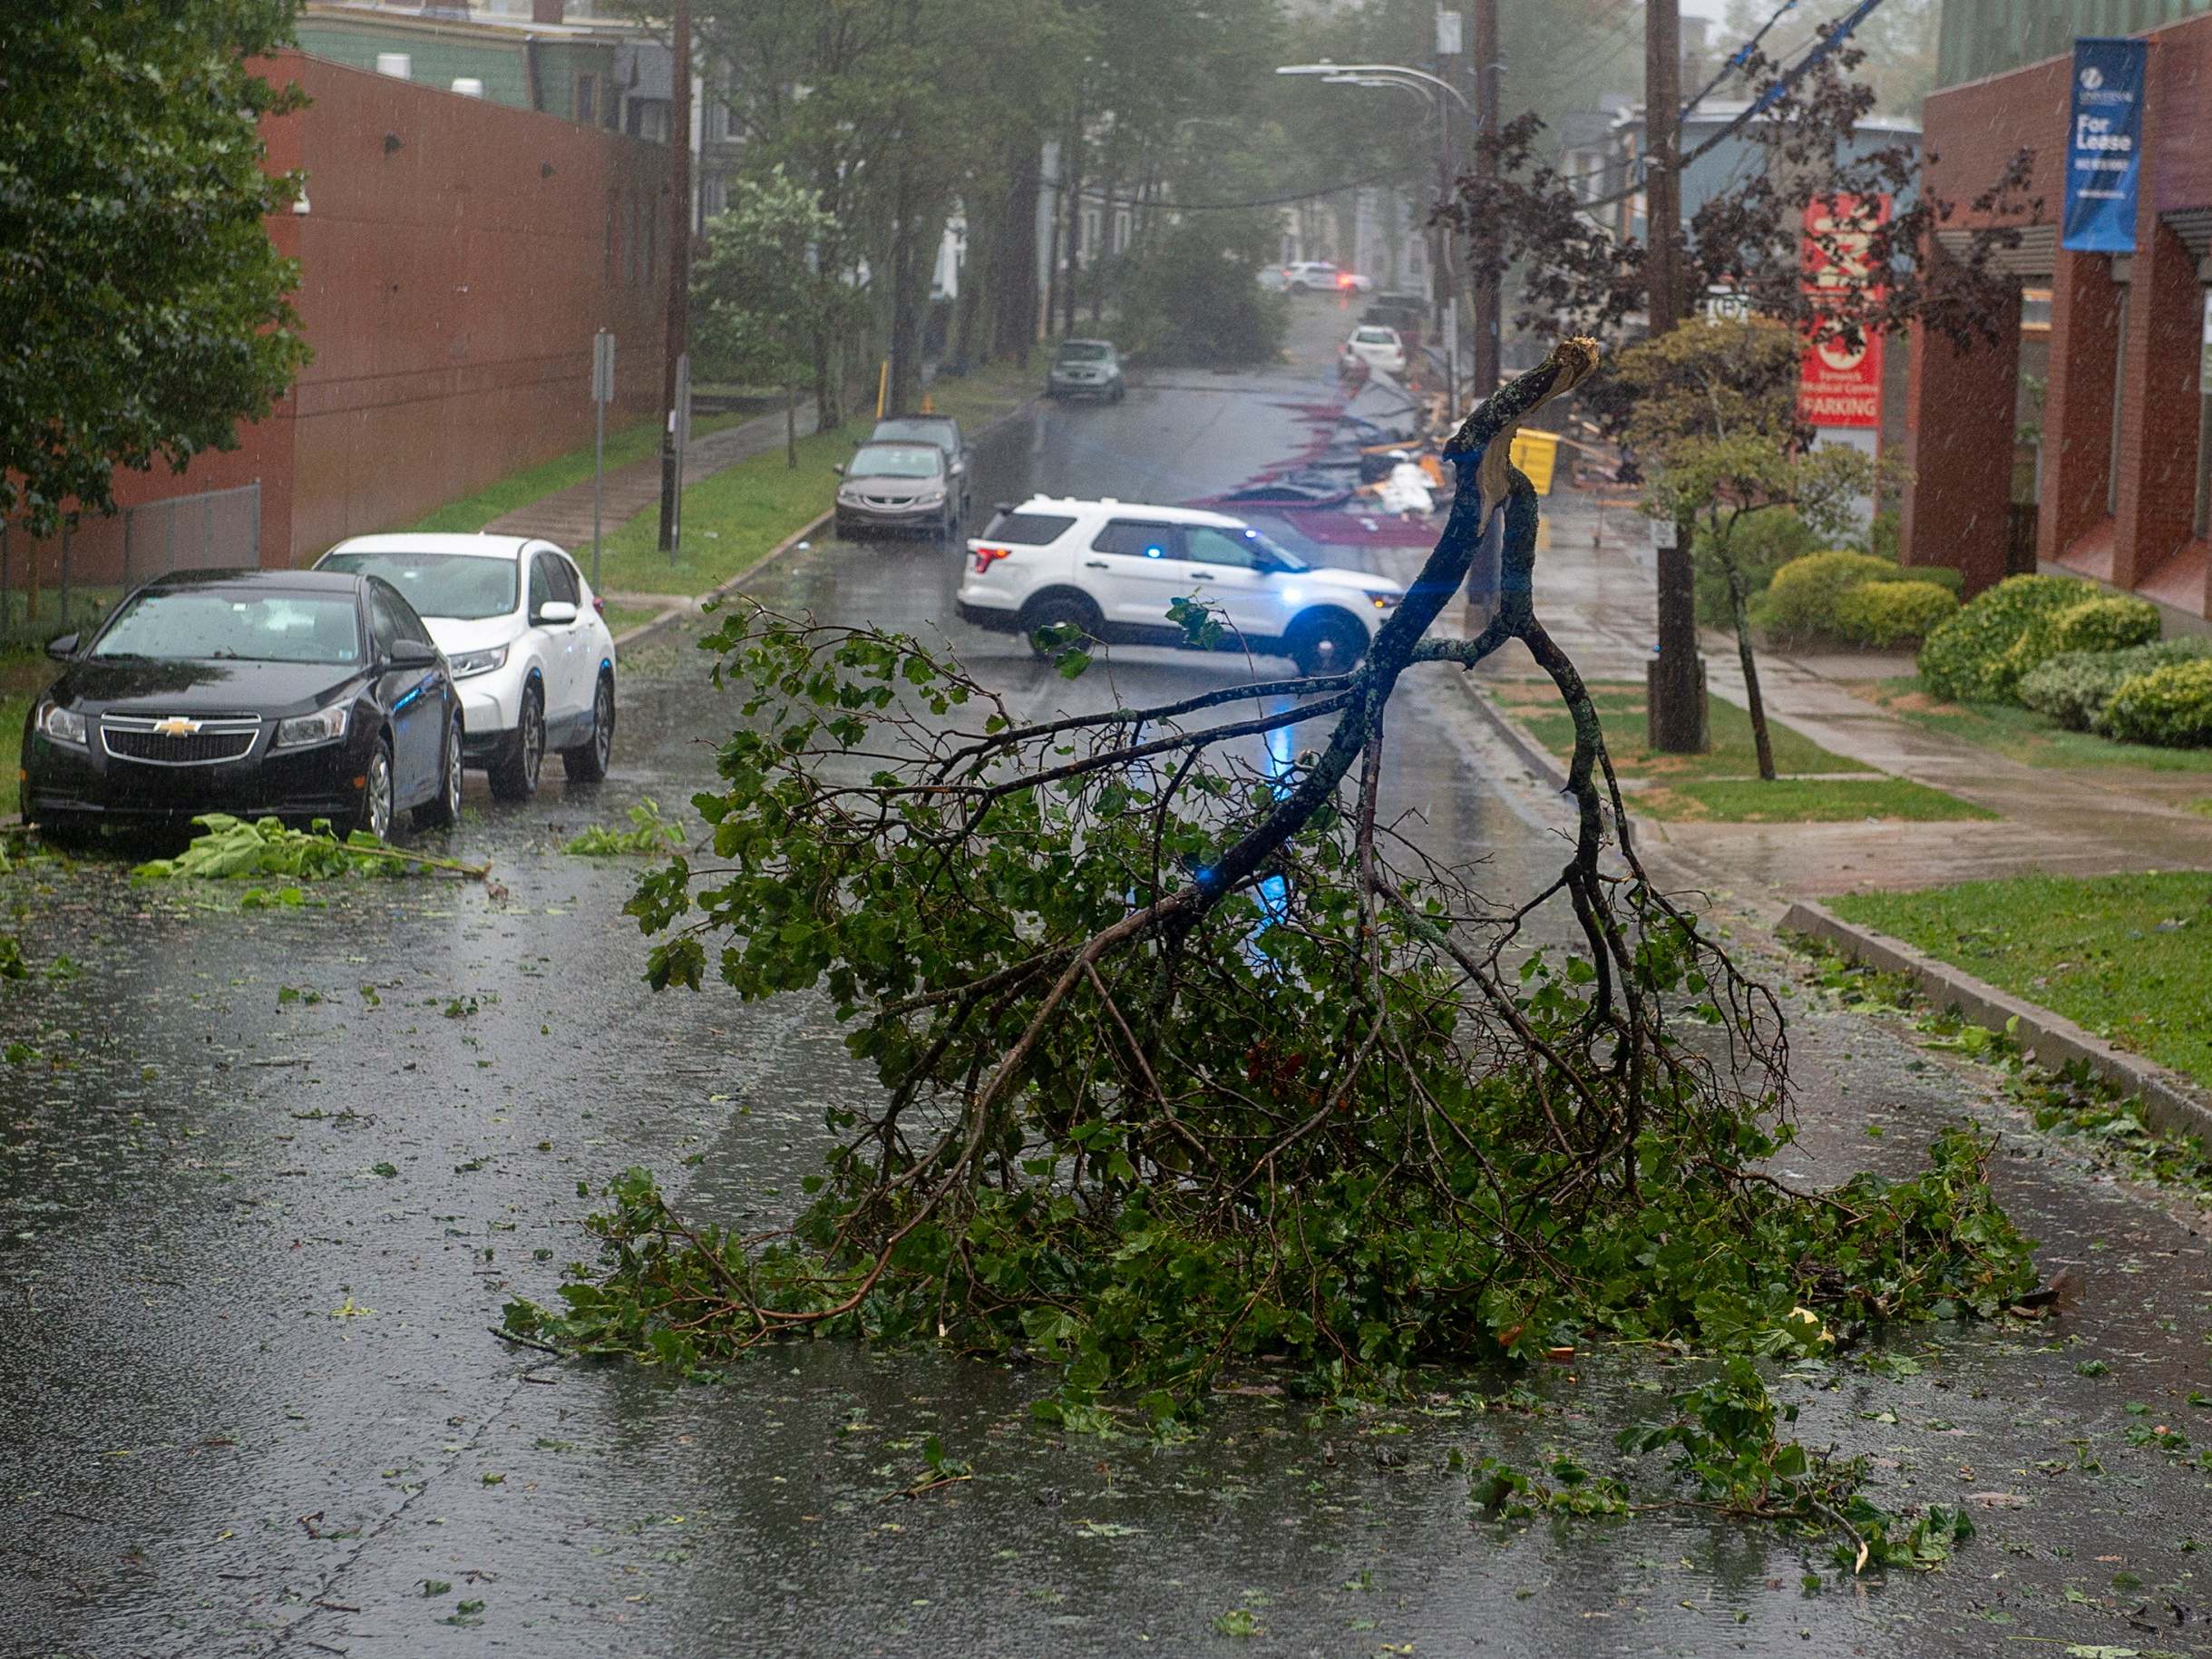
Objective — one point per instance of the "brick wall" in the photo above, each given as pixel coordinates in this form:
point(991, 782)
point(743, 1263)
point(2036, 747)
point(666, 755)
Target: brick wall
point(455, 260)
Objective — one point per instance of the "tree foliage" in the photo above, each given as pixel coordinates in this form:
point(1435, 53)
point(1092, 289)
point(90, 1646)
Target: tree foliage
point(1187, 1058)
point(146, 308)
point(1711, 414)
point(1579, 274)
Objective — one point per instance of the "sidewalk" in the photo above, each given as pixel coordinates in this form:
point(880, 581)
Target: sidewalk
point(564, 517)
point(1595, 591)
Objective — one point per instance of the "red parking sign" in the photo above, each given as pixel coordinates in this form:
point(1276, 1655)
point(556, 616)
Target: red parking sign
point(1840, 384)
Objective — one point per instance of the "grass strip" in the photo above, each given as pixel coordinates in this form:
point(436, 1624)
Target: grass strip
point(2020, 734)
point(2128, 957)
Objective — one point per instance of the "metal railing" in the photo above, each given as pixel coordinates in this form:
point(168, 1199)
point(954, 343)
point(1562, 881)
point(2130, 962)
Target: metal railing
point(91, 563)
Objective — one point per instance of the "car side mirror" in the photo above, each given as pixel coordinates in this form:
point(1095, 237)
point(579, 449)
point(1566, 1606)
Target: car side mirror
point(838, 468)
point(62, 649)
point(412, 654)
point(557, 611)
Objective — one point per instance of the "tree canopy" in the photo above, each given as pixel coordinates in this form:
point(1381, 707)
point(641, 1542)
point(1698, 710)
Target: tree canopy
point(145, 305)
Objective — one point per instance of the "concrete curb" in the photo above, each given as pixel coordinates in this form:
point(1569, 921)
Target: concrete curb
point(1533, 755)
point(2170, 1102)
point(683, 608)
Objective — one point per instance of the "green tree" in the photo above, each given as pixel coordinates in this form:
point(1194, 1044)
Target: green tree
point(1712, 415)
point(145, 306)
point(759, 296)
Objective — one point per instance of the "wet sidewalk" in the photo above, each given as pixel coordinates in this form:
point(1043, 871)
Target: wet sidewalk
point(1595, 591)
point(564, 517)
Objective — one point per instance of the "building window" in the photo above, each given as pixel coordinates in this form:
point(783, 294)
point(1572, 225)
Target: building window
point(588, 98)
point(2204, 423)
point(2036, 310)
point(1090, 233)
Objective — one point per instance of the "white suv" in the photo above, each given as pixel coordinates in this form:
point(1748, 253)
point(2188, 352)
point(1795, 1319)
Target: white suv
point(1113, 568)
point(520, 628)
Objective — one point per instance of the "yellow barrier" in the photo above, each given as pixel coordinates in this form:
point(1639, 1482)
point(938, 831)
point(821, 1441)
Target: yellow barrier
point(1536, 453)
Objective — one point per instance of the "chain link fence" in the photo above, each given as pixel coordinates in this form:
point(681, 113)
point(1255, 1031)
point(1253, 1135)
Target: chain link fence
point(50, 585)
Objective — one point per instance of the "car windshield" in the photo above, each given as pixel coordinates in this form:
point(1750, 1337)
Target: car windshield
point(467, 587)
point(918, 429)
point(1085, 351)
point(1280, 556)
point(899, 461)
point(203, 624)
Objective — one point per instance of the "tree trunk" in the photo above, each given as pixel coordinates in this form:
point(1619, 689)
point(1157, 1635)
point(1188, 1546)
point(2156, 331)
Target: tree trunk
point(790, 422)
point(1052, 256)
point(1103, 253)
point(1740, 603)
point(1072, 176)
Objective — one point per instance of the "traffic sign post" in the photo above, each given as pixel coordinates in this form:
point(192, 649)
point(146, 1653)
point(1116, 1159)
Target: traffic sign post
point(679, 430)
point(602, 393)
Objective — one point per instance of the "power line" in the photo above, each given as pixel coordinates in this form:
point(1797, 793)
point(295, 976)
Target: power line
point(1395, 175)
point(1763, 102)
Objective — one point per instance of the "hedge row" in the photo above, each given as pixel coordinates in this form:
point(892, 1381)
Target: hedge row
point(1858, 598)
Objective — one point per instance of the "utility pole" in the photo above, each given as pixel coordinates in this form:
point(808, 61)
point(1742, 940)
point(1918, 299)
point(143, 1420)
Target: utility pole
point(1674, 687)
point(1489, 364)
point(674, 380)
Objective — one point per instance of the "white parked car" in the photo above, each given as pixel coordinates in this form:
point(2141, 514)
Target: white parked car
point(1378, 347)
point(1113, 568)
point(521, 631)
point(1311, 276)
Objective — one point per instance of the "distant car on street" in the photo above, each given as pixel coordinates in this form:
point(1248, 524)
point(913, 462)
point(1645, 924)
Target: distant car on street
point(903, 486)
point(1113, 568)
point(289, 694)
point(1086, 368)
point(1274, 279)
point(942, 430)
point(1377, 347)
point(522, 627)
point(1323, 276)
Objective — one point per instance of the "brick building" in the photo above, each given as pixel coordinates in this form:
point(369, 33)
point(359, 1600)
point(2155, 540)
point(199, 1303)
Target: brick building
point(456, 259)
point(2119, 484)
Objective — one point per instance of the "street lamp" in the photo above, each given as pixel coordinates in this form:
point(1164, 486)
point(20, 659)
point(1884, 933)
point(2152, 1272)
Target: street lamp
point(1398, 71)
point(1444, 310)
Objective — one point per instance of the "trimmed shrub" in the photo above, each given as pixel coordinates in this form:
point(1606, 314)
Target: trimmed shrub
point(1763, 542)
point(2171, 707)
point(2072, 688)
point(1967, 658)
point(2109, 624)
point(1949, 578)
point(1888, 614)
point(1802, 600)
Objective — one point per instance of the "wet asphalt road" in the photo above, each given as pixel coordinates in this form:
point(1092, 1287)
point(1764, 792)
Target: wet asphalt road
point(266, 1177)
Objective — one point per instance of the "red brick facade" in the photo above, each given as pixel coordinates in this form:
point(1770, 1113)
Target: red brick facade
point(456, 257)
point(2118, 494)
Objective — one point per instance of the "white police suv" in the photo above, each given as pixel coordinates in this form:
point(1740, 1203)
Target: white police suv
point(1113, 568)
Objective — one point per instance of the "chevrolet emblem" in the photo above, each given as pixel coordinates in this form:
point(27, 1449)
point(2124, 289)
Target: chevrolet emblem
point(176, 726)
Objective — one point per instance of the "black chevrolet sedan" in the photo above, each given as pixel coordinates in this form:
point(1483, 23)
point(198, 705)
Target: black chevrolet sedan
point(289, 694)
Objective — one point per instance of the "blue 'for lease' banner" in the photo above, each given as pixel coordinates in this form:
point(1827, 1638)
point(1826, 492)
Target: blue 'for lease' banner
point(2104, 145)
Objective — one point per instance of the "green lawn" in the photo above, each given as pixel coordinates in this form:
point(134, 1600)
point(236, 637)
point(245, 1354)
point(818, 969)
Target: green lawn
point(23, 676)
point(635, 442)
point(1723, 785)
point(622, 619)
point(2129, 957)
point(2022, 734)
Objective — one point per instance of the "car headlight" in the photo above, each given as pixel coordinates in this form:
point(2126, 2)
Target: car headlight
point(848, 492)
point(1384, 601)
point(932, 498)
point(324, 726)
point(60, 725)
point(477, 662)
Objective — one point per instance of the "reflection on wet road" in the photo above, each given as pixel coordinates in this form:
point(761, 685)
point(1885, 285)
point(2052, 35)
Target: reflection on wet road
point(268, 1175)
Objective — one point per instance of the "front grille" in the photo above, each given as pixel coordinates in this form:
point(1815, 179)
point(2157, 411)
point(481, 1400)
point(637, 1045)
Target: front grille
point(133, 738)
point(885, 500)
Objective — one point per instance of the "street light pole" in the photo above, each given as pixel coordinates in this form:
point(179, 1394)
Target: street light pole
point(673, 378)
point(1444, 296)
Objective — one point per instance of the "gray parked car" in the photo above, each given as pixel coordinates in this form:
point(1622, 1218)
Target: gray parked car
point(1086, 368)
point(942, 430)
